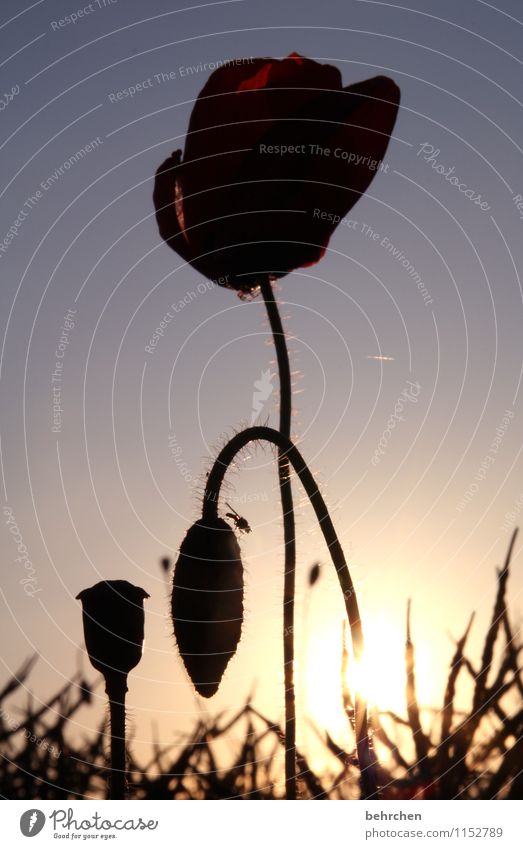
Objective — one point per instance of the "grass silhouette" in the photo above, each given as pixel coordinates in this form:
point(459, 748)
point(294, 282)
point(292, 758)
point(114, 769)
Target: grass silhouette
point(454, 754)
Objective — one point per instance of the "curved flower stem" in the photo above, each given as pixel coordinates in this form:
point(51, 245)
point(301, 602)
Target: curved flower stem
point(369, 782)
point(284, 470)
point(116, 688)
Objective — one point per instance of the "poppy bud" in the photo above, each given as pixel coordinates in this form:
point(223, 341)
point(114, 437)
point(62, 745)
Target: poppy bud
point(207, 602)
point(165, 563)
point(113, 618)
point(314, 574)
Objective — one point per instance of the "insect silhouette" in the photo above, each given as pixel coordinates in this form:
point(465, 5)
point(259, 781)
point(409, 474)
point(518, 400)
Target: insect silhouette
point(240, 523)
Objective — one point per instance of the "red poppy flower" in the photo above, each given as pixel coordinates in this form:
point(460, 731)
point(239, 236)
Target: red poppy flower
point(277, 152)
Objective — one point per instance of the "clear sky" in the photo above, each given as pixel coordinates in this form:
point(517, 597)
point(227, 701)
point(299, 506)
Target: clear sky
point(427, 314)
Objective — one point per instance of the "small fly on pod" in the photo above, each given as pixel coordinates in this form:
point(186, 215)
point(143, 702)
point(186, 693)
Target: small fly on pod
point(207, 602)
point(240, 523)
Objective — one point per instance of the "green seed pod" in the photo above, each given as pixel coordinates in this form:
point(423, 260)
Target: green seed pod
point(113, 618)
point(207, 602)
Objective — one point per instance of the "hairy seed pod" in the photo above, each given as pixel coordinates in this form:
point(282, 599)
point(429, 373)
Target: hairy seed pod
point(113, 619)
point(207, 602)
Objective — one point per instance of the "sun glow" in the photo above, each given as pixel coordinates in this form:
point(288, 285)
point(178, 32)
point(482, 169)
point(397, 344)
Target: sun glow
point(379, 677)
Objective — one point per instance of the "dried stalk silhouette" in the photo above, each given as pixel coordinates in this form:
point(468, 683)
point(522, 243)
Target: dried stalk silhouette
point(44, 757)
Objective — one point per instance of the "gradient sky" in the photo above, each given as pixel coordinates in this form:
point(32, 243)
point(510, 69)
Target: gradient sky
point(108, 495)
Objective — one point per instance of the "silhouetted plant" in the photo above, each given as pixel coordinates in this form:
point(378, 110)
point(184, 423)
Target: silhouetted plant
point(113, 619)
point(255, 162)
point(238, 756)
point(165, 563)
point(250, 219)
point(314, 574)
point(207, 602)
point(369, 786)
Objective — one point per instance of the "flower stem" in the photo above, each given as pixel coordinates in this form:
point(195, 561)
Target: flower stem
point(366, 757)
point(282, 356)
point(116, 688)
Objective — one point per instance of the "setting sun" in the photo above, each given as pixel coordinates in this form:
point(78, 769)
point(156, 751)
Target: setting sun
point(379, 677)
